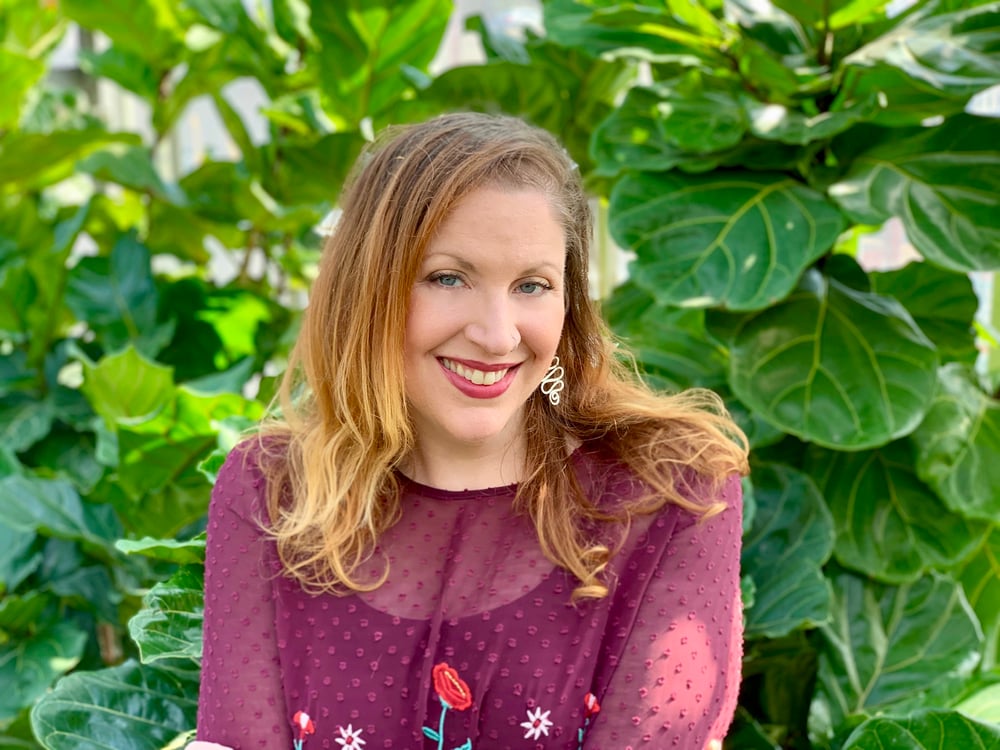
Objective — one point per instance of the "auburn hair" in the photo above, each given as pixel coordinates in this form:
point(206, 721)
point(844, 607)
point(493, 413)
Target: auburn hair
point(330, 454)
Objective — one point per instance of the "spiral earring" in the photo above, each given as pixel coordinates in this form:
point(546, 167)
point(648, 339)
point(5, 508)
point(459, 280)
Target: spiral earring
point(553, 382)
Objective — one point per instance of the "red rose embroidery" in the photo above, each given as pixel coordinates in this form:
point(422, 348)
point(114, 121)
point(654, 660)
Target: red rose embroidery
point(304, 724)
point(591, 706)
point(451, 688)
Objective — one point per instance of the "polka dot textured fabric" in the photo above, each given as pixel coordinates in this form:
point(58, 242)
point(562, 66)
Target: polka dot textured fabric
point(472, 642)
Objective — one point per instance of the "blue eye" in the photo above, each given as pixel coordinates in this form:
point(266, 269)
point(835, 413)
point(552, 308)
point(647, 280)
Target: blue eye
point(533, 287)
point(445, 279)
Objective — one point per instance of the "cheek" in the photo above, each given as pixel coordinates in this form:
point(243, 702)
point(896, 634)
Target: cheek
point(424, 324)
point(546, 329)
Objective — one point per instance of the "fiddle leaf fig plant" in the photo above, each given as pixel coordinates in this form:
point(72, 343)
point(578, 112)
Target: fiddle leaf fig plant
point(741, 174)
point(740, 152)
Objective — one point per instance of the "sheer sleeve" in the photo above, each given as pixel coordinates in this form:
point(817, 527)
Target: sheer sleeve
point(672, 654)
point(241, 703)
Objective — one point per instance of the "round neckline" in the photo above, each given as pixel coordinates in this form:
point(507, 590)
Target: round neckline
point(437, 493)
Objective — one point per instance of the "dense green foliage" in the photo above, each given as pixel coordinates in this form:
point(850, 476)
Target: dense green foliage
point(741, 154)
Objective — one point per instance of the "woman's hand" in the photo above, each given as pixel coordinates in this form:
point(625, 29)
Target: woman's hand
point(199, 745)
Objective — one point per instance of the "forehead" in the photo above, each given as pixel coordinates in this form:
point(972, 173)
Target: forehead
point(519, 223)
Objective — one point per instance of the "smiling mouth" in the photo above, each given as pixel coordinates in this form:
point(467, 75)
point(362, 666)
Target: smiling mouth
point(477, 377)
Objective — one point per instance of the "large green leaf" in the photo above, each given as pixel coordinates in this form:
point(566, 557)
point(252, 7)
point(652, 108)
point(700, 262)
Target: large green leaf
point(364, 45)
point(943, 182)
point(931, 729)
point(18, 296)
point(900, 101)
point(669, 124)
point(952, 53)
point(673, 30)
point(226, 193)
point(21, 615)
point(128, 707)
point(18, 556)
point(131, 167)
point(312, 171)
point(943, 303)
point(70, 454)
point(126, 387)
point(772, 121)
point(156, 452)
point(958, 444)
point(892, 647)
point(980, 577)
point(983, 704)
point(778, 678)
point(28, 32)
point(28, 666)
point(117, 298)
point(791, 538)
point(562, 90)
point(127, 69)
point(34, 160)
point(169, 625)
point(185, 552)
point(151, 29)
point(50, 506)
point(890, 525)
point(89, 588)
point(747, 733)
point(24, 420)
point(833, 14)
point(669, 343)
point(758, 430)
point(19, 72)
point(738, 240)
point(835, 366)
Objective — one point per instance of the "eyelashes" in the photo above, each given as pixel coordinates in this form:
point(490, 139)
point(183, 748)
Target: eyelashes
point(449, 280)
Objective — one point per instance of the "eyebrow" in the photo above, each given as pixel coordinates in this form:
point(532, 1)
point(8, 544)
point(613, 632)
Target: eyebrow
point(465, 265)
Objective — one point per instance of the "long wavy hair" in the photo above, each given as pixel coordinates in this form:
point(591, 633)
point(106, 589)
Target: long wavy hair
point(344, 426)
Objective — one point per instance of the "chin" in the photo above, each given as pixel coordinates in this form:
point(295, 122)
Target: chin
point(478, 432)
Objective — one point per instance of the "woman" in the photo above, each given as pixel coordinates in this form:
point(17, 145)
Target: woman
point(471, 527)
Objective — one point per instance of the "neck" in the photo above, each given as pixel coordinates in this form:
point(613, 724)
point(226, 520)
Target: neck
point(468, 467)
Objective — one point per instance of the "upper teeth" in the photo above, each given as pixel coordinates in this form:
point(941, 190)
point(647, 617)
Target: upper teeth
point(479, 377)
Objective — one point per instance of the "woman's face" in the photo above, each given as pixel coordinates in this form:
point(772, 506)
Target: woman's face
point(484, 319)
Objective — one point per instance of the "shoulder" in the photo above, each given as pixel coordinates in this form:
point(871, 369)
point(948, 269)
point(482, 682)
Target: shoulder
point(605, 479)
point(613, 486)
point(242, 465)
point(240, 485)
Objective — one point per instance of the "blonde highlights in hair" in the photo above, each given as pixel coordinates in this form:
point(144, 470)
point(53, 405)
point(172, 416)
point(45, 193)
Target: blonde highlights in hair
point(330, 458)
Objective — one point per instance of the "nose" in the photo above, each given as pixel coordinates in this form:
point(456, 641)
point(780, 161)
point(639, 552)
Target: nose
point(493, 325)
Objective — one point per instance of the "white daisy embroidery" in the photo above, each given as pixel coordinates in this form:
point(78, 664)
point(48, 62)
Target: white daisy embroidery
point(537, 724)
point(350, 738)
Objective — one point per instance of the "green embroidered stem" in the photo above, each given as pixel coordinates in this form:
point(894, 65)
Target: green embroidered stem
point(444, 710)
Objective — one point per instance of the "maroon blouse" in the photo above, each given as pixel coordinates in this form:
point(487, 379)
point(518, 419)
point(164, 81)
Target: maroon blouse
point(472, 642)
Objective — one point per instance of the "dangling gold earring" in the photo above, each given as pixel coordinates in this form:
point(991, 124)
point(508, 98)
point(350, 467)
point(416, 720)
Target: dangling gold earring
point(553, 382)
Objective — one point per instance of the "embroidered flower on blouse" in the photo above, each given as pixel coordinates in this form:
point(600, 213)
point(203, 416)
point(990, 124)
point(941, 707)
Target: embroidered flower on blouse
point(590, 709)
point(537, 725)
point(451, 688)
point(453, 692)
point(350, 738)
point(304, 726)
